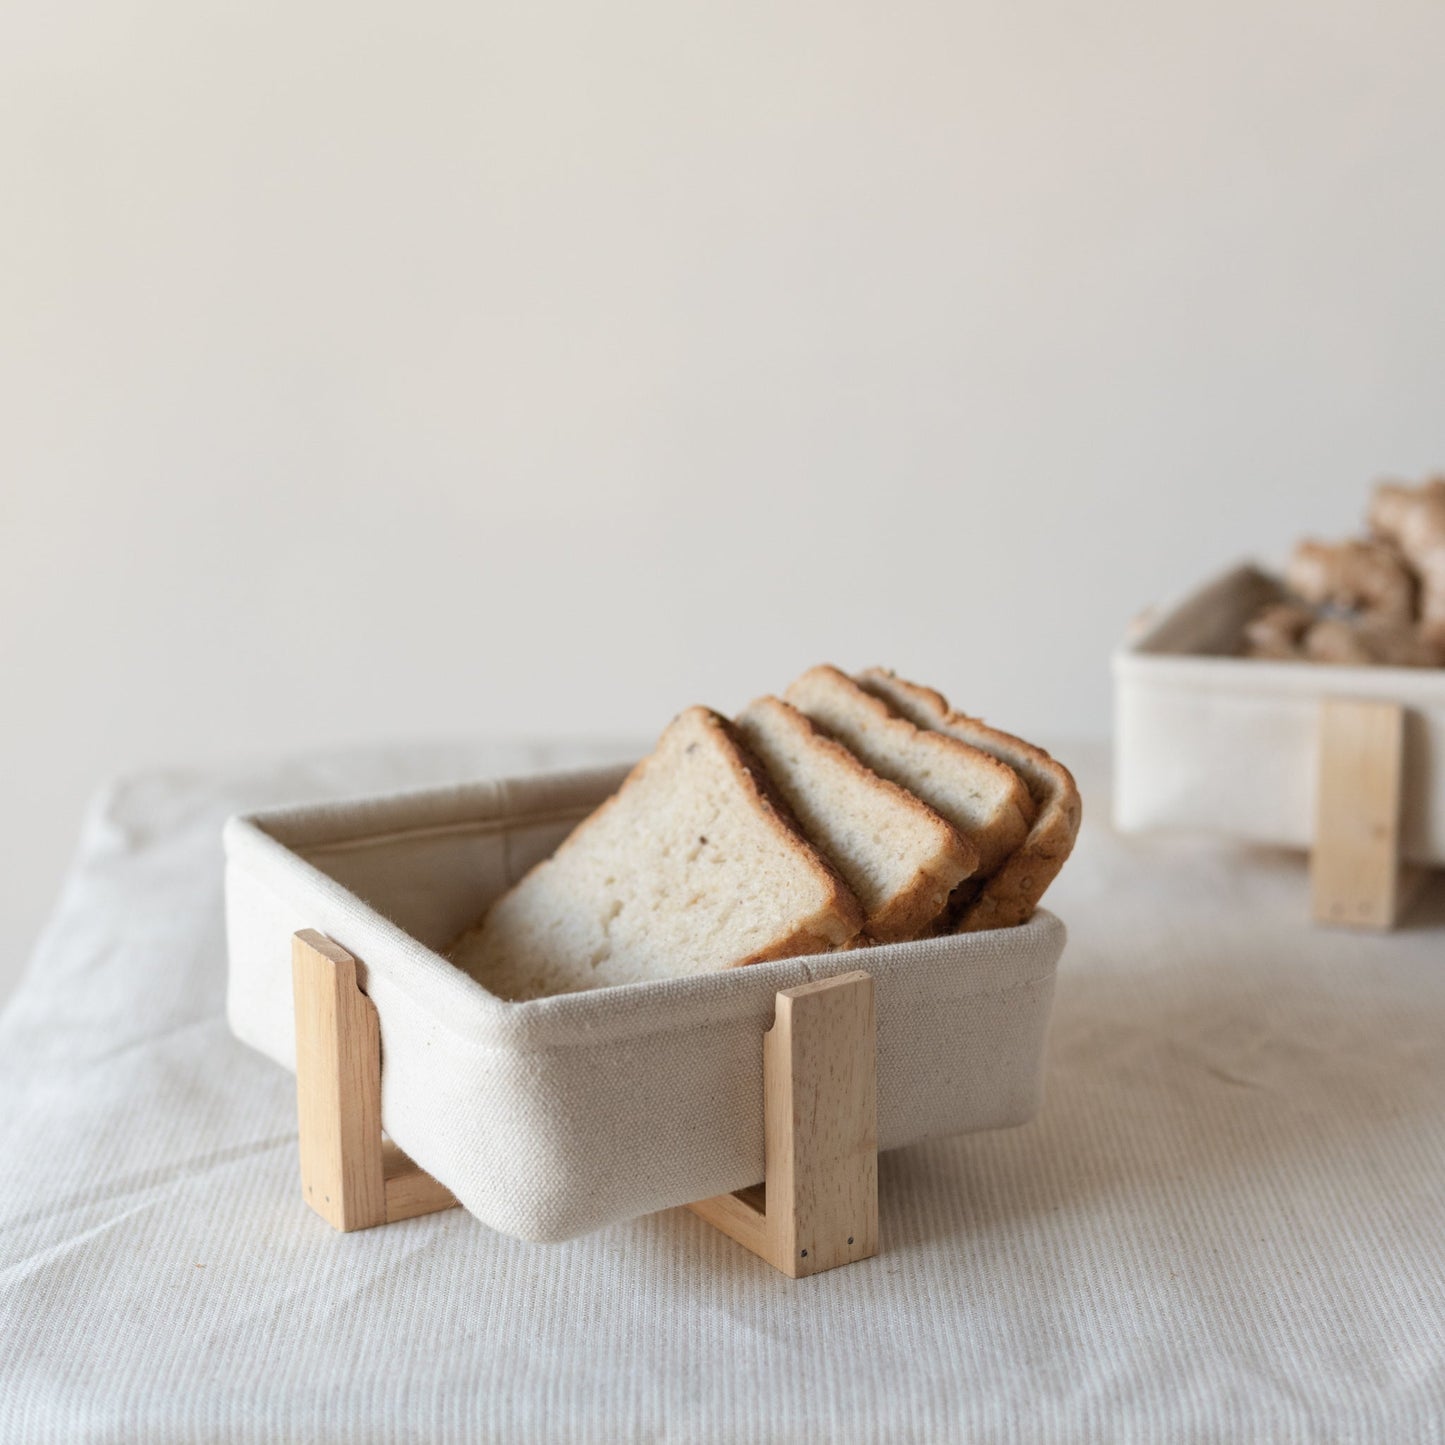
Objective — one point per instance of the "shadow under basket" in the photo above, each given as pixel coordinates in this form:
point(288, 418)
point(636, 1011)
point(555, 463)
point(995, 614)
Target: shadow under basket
point(552, 1117)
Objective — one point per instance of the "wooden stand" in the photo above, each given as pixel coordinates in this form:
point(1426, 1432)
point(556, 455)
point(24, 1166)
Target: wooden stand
point(818, 1205)
point(1355, 872)
point(817, 1209)
point(350, 1175)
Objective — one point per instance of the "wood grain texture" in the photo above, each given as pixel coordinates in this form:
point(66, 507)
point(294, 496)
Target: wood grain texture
point(410, 1190)
point(1355, 867)
point(349, 1175)
point(741, 1216)
point(818, 1206)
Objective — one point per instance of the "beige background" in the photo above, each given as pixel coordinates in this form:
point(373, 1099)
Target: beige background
point(382, 371)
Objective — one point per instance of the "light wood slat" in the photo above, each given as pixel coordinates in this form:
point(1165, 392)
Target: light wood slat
point(738, 1218)
point(819, 1207)
point(350, 1175)
point(410, 1190)
point(1355, 867)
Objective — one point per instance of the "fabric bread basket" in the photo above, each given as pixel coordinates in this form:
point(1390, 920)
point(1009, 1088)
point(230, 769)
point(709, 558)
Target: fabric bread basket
point(559, 1115)
point(1210, 740)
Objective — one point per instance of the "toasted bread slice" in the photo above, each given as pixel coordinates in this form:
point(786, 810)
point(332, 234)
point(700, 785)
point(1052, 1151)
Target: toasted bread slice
point(900, 858)
point(1010, 896)
point(694, 864)
point(982, 797)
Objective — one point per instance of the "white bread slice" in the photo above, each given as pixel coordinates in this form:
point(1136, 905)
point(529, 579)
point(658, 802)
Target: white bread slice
point(900, 858)
point(982, 797)
point(1010, 896)
point(693, 865)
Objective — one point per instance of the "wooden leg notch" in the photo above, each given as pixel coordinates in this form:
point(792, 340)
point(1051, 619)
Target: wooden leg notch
point(350, 1175)
point(818, 1206)
point(1355, 875)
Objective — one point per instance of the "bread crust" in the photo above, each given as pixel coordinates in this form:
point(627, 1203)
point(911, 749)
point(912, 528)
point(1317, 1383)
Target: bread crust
point(909, 911)
point(841, 917)
point(1010, 896)
point(1005, 833)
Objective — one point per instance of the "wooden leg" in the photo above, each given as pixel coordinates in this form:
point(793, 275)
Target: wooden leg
point(818, 1206)
point(1355, 869)
point(349, 1175)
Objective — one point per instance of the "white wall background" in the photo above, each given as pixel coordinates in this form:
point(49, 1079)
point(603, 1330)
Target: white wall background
point(371, 371)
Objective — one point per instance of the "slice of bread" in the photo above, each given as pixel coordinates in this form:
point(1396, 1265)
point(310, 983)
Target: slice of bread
point(1010, 896)
point(900, 858)
point(693, 865)
point(982, 797)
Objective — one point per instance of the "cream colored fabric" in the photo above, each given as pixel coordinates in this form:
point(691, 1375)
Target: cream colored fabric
point(1225, 1225)
point(558, 1115)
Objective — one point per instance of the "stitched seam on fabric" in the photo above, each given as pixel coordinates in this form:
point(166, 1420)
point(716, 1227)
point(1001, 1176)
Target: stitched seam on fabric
point(482, 827)
point(577, 1038)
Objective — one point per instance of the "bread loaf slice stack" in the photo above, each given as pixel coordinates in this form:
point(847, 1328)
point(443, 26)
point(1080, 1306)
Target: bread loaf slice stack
point(852, 811)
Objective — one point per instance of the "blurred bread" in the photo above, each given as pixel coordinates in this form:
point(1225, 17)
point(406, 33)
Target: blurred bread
point(899, 856)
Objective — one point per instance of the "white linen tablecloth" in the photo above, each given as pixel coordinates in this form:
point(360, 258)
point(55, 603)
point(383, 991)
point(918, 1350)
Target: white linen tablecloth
point(1227, 1224)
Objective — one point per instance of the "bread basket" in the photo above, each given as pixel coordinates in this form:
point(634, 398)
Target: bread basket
point(1207, 739)
point(557, 1116)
